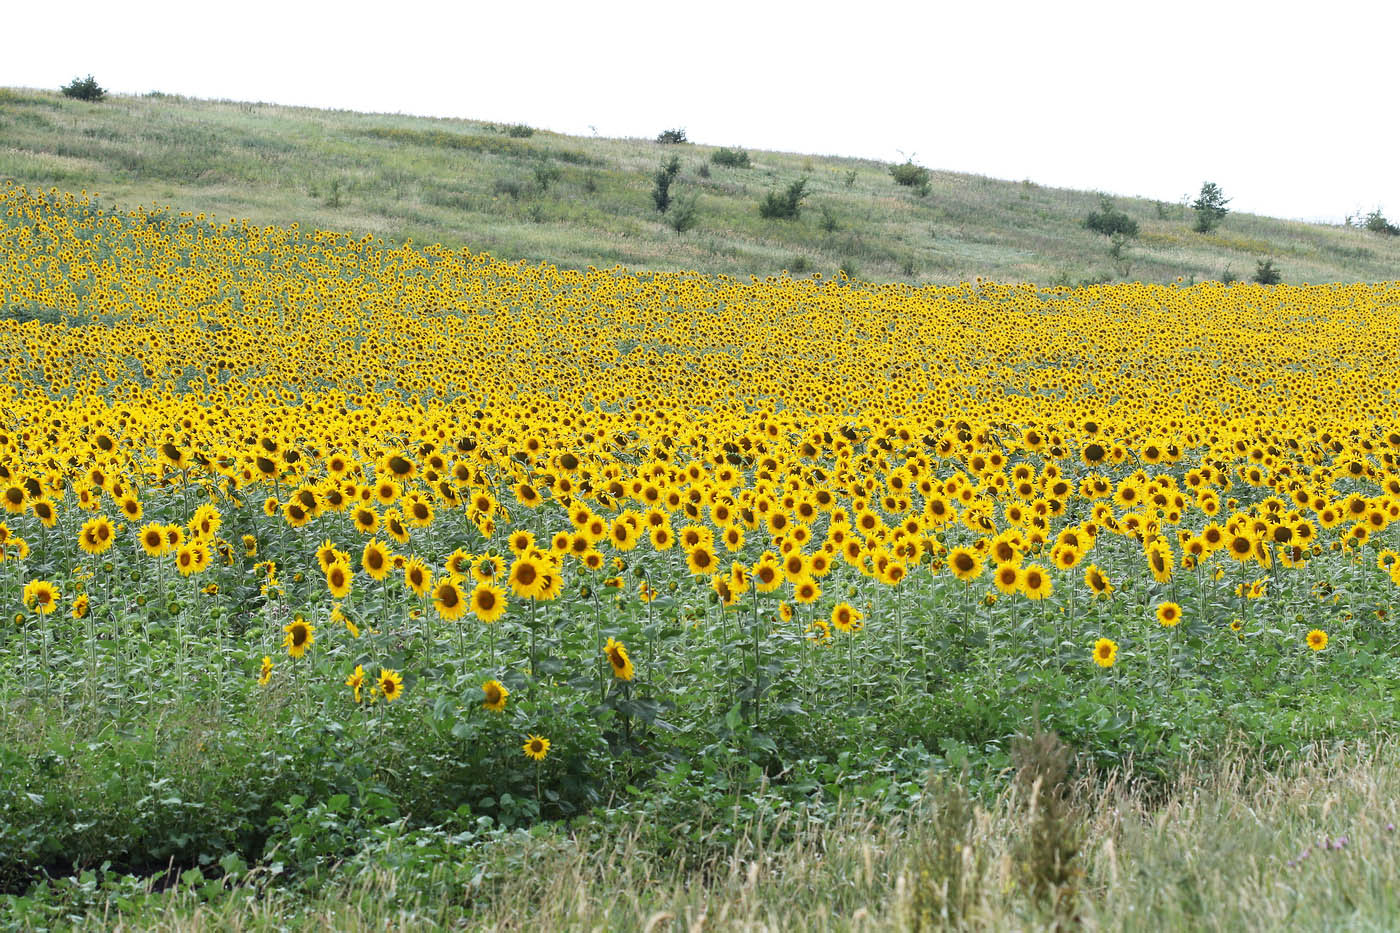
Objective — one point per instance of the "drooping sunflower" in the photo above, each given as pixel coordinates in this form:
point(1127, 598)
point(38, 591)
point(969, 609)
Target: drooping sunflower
point(617, 656)
point(488, 602)
point(265, 674)
point(536, 747)
point(356, 680)
point(496, 694)
point(300, 636)
point(80, 606)
point(1097, 582)
point(1105, 652)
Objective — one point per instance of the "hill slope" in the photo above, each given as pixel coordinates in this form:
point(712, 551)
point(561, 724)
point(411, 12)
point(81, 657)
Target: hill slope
point(579, 201)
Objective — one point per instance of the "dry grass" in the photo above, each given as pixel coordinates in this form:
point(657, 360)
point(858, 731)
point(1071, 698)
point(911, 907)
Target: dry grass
point(1312, 848)
point(440, 181)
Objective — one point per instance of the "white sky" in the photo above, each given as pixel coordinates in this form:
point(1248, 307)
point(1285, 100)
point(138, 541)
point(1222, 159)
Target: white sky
point(1290, 107)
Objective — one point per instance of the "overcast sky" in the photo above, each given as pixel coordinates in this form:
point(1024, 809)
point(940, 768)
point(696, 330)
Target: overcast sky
point(1289, 107)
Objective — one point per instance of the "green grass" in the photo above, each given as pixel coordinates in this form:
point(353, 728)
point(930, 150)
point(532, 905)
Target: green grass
point(466, 183)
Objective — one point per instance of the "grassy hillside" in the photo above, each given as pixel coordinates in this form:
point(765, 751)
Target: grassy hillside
point(578, 201)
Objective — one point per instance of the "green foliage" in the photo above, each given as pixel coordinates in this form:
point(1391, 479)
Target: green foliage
point(546, 175)
point(684, 213)
point(1376, 222)
point(828, 223)
point(1108, 220)
point(946, 868)
point(519, 131)
point(784, 206)
point(912, 176)
point(1049, 850)
point(1209, 207)
point(661, 183)
point(84, 89)
point(1266, 273)
point(730, 158)
point(671, 137)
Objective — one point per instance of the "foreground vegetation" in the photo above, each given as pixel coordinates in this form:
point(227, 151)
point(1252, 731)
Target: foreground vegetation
point(577, 202)
point(333, 571)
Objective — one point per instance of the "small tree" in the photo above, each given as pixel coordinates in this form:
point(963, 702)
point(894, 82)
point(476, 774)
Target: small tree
point(1210, 207)
point(684, 215)
point(84, 89)
point(661, 192)
point(1376, 223)
point(671, 137)
point(1266, 273)
point(785, 206)
point(1110, 221)
point(910, 175)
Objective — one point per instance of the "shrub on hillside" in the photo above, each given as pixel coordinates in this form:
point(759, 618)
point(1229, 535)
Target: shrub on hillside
point(1110, 221)
point(785, 206)
point(1266, 273)
point(661, 190)
point(84, 89)
point(731, 158)
point(909, 175)
point(671, 137)
point(1376, 223)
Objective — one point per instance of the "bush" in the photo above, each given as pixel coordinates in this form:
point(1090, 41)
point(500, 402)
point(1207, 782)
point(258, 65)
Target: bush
point(684, 215)
point(546, 175)
point(671, 137)
point(1209, 207)
point(911, 176)
point(1376, 223)
point(84, 89)
point(829, 222)
point(661, 192)
point(1266, 273)
point(731, 158)
point(1110, 221)
point(520, 131)
point(785, 206)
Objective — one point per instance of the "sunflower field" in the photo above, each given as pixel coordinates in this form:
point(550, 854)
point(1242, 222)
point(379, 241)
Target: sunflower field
point(306, 535)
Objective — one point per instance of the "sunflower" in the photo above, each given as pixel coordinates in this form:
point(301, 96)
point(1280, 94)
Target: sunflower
point(366, 520)
point(1169, 614)
point(766, 574)
point(845, 618)
point(536, 747)
point(521, 541)
point(806, 591)
point(488, 602)
point(389, 684)
point(1317, 640)
point(527, 575)
point(338, 579)
point(1007, 578)
point(496, 694)
point(265, 674)
point(97, 535)
point(1095, 579)
point(356, 680)
point(14, 499)
point(1035, 582)
point(300, 636)
point(617, 656)
point(1105, 652)
point(965, 563)
point(80, 606)
point(376, 560)
point(41, 596)
point(448, 599)
point(701, 560)
point(417, 577)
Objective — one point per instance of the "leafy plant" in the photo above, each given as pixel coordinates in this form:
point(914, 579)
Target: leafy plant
point(519, 131)
point(671, 137)
point(1376, 222)
point(730, 158)
point(1108, 220)
point(661, 187)
point(784, 206)
point(684, 214)
point(1209, 207)
point(828, 222)
point(1266, 273)
point(911, 176)
point(84, 89)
